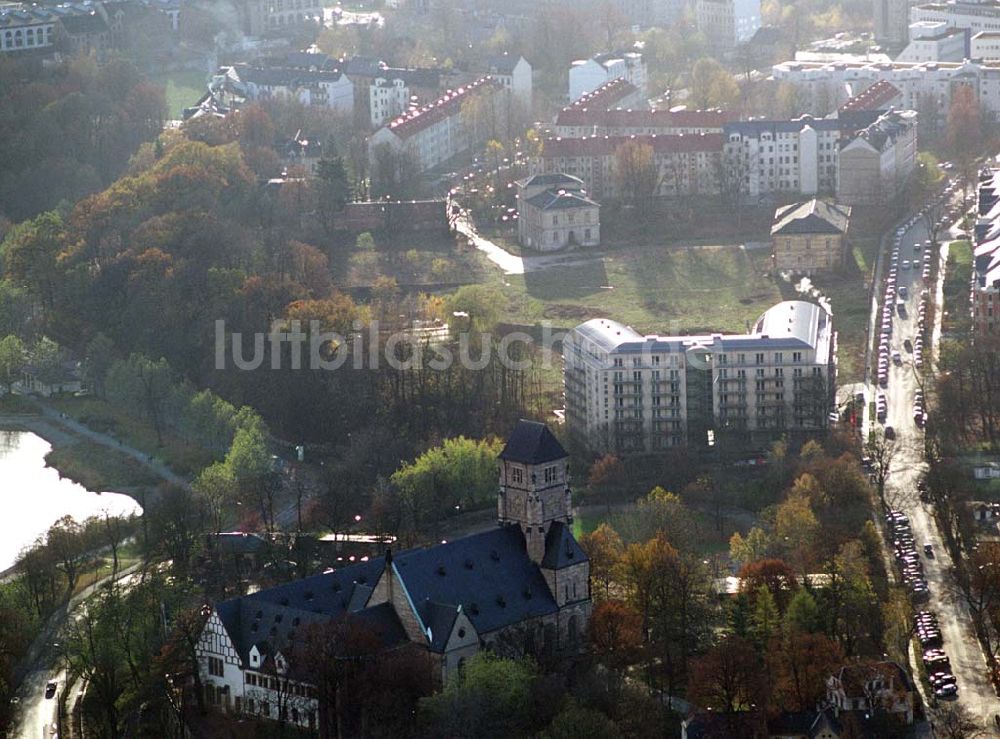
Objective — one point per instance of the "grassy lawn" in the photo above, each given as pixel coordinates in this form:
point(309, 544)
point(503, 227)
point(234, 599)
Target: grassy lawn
point(100, 468)
point(183, 89)
point(15, 405)
point(958, 273)
point(652, 288)
point(184, 458)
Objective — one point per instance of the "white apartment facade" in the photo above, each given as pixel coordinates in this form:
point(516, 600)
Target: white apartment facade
point(985, 46)
point(586, 75)
point(436, 132)
point(579, 122)
point(626, 392)
point(976, 17)
point(935, 41)
point(319, 88)
point(827, 86)
point(728, 23)
point(795, 157)
point(387, 99)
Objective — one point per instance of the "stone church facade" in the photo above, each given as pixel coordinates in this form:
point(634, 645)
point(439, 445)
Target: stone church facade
point(520, 588)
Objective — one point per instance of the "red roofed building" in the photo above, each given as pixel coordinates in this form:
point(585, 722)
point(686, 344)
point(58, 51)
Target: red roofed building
point(616, 93)
point(880, 96)
point(574, 122)
point(687, 164)
point(436, 132)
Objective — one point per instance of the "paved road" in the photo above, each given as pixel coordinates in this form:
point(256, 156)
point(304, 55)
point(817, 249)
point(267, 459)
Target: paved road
point(965, 654)
point(37, 713)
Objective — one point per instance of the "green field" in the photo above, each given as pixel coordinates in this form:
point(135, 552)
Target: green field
point(653, 289)
point(183, 89)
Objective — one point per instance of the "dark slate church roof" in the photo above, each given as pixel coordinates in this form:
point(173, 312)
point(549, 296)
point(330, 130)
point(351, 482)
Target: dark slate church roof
point(489, 574)
point(532, 443)
point(561, 548)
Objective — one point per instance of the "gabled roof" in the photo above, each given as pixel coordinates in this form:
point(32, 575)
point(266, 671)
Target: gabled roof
point(503, 64)
point(489, 574)
point(450, 104)
point(561, 548)
point(531, 442)
point(85, 23)
point(876, 97)
point(555, 179)
point(606, 96)
point(811, 217)
point(440, 619)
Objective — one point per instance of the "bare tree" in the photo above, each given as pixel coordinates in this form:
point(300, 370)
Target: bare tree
point(953, 721)
point(881, 450)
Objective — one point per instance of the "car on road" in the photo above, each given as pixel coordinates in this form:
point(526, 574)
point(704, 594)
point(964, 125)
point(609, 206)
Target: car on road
point(929, 549)
point(908, 345)
point(946, 691)
point(897, 358)
point(903, 291)
point(50, 689)
point(906, 264)
point(890, 432)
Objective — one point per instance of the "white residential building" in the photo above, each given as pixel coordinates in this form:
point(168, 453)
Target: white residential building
point(935, 41)
point(891, 20)
point(434, 133)
point(515, 74)
point(728, 23)
point(320, 88)
point(576, 122)
point(826, 86)
point(794, 157)
point(387, 99)
point(626, 392)
point(586, 75)
point(975, 17)
point(985, 46)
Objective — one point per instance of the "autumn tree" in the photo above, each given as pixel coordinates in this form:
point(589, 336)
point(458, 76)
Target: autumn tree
point(882, 451)
point(774, 574)
point(604, 549)
point(729, 679)
point(750, 548)
point(712, 85)
point(636, 172)
point(965, 130)
point(12, 357)
point(800, 665)
point(615, 632)
point(606, 477)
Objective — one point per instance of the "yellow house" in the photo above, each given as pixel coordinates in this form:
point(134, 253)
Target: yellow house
point(809, 237)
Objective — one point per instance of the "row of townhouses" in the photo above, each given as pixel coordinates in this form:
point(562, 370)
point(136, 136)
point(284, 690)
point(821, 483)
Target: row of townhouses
point(28, 29)
point(856, 155)
point(986, 259)
point(434, 133)
point(364, 86)
point(523, 587)
point(626, 392)
point(925, 86)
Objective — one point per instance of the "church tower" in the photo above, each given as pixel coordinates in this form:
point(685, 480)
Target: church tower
point(534, 484)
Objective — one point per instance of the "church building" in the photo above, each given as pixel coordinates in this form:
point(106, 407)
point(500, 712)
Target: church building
point(520, 588)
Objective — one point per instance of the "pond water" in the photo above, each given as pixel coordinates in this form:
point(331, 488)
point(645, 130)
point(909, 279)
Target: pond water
point(34, 496)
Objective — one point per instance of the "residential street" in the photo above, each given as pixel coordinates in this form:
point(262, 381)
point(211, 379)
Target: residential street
point(965, 654)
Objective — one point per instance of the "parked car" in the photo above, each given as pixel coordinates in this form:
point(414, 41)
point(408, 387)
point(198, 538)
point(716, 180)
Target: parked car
point(929, 549)
point(50, 689)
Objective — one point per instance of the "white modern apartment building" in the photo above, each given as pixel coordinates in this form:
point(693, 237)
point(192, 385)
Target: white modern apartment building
point(727, 23)
point(891, 20)
point(321, 88)
point(827, 86)
point(387, 99)
point(935, 41)
point(626, 392)
point(976, 17)
point(586, 75)
point(985, 46)
point(436, 132)
point(795, 157)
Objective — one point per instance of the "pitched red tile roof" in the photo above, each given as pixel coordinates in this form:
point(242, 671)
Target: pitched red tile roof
point(606, 145)
point(627, 118)
point(606, 96)
point(876, 97)
point(447, 105)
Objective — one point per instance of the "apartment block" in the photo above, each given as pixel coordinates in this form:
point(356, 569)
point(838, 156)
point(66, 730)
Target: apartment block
point(626, 392)
point(586, 75)
point(727, 23)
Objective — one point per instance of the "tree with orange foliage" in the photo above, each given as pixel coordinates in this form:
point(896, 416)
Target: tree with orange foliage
point(729, 678)
point(773, 574)
point(607, 475)
point(799, 665)
point(604, 549)
point(616, 634)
